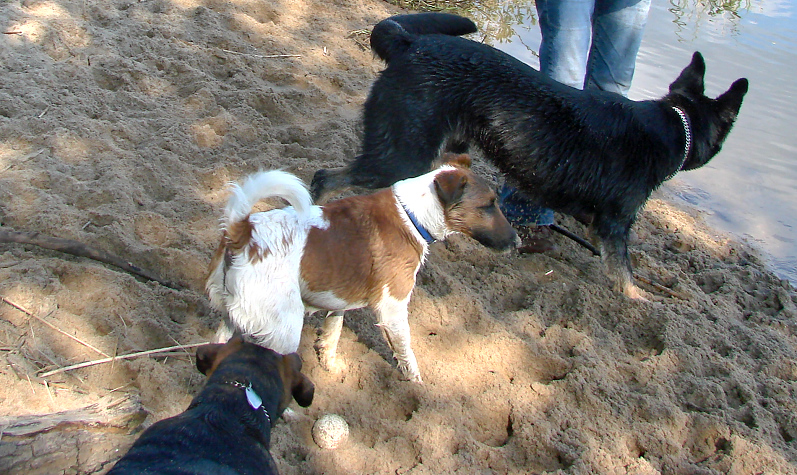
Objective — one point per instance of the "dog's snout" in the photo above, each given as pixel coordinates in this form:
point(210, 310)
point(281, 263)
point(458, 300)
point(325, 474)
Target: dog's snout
point(496, 240)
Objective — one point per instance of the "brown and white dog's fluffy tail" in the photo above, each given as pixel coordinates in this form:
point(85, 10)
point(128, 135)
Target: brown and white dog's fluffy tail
point(259, 254)
point(262, 185)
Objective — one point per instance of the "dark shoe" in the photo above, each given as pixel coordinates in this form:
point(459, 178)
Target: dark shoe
point(535, 239)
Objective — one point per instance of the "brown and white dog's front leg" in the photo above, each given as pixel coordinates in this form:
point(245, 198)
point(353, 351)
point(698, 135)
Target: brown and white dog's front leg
point(394, 322)
point(327, 343)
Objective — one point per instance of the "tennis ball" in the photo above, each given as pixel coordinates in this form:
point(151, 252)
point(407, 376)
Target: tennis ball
point(330, 430)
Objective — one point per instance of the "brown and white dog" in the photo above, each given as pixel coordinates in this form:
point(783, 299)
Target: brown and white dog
point(271, 267)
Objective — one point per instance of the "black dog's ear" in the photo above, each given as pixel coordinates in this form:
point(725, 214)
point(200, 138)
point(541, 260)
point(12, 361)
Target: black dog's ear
point(450, 185)
point(691, 78)
point(302, 389)
point(209, 356)
point(730, 101)
point(206, 355)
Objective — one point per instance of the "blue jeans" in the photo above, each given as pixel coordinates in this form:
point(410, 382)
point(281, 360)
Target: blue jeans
point(520, 211)
point(591, 43)
point(585, 44)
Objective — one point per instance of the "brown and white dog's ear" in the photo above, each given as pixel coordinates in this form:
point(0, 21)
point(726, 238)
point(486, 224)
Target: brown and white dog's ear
point(209, 356)
point(450, 185)
point(302, 389)
point(459, 160)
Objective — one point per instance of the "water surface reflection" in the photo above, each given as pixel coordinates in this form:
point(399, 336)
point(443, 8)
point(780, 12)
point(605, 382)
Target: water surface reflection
point(750, 188)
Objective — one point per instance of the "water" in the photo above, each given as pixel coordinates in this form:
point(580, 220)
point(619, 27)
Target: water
point(750, 188)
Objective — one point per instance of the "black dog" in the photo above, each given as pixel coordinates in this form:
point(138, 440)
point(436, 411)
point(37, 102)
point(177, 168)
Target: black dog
point(578, 152)
point(227, 427)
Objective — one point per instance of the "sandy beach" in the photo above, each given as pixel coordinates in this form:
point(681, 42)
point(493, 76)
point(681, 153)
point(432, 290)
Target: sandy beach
point(121, 123)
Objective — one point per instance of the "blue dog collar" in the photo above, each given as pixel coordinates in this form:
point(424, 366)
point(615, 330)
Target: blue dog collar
point(425, 234)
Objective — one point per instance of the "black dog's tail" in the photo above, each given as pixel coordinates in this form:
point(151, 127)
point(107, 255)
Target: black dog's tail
point(392, 36)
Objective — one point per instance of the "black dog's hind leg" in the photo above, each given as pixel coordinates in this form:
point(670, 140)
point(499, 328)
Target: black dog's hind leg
point(379, 171)
point(383, 166)
point(369, 172)
point(403, 136)
point(328, 180)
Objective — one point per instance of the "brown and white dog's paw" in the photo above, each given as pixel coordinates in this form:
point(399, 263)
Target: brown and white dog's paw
point(409, 374)
point(330, 362)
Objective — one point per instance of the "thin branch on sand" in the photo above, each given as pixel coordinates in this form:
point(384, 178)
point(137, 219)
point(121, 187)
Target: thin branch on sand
point(264, 55)
point(31, 314)
point(660, 287)
point(122, 357)
point(27, 157)
point(576, 238)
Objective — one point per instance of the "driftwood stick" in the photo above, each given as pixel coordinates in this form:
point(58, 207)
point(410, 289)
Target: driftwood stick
point(79, 249)
point(104, 412)
point(121, 357)
point(31, 314)
point(596, 252)
point(83, 440)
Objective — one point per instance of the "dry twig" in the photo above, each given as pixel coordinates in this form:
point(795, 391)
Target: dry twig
point(661, 288)
point(27, 157)
point(264, 55)
point(105, 412)
point(31, 314)
point(122, 357)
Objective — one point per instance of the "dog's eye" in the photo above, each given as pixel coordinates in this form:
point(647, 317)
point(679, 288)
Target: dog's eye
point(489, 208)
point(489, 205)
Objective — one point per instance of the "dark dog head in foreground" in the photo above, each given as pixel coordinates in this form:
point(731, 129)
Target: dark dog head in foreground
point(579, 152)
point(227, 427)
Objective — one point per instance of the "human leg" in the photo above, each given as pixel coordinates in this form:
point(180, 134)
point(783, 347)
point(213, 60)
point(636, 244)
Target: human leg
point(618, 26)
point(566, 27)
point(519, 210)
